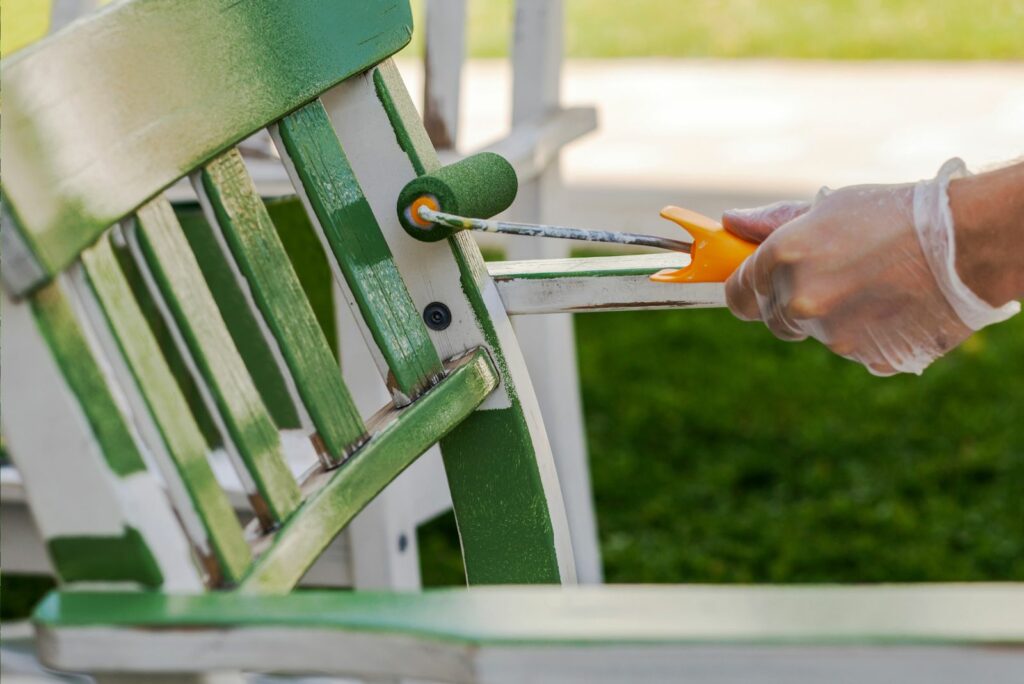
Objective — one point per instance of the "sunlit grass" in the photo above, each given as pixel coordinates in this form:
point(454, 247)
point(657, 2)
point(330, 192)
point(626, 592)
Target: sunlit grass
point(818, 29)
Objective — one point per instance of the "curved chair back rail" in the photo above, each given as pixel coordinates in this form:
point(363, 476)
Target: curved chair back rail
point(122, 103)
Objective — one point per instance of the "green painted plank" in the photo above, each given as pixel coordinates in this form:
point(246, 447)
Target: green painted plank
point(105, 559)
point(240, 318)
point(170, 351)
point(186, 79)
point(507, 536)
point(170, 411)
point(60, 328)
point(360, 249)
point(405, 435)
point(584, 267)
point(306, 253)
point(245, 417)
point(984, 614)
point(261, 257)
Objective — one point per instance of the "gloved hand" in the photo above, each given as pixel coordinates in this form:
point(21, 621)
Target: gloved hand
point(867, 270)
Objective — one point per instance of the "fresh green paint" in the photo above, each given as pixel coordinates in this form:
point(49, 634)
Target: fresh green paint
point(105, 559)
point(170, 411)
point(195, 312)
point(100, 118)
point(486, 452)
point(307, 254)
point(397, 442)
point(62, 332)
point(363, 255)
point(239, 317)
point(261, 257)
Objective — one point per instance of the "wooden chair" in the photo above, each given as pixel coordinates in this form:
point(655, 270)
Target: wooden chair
point(158, 575)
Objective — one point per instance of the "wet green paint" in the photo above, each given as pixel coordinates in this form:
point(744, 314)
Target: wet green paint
point(480, 465)
point(359, 247)
point(252, 239)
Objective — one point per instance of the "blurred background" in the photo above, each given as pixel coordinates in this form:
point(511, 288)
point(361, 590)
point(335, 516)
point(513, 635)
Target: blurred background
point(719, 454)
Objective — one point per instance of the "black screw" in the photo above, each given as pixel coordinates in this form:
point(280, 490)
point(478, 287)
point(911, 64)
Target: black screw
point(403, 543)
point(437, 316)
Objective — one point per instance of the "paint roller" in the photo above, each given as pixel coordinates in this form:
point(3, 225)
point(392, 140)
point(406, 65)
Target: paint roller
point(467, 194)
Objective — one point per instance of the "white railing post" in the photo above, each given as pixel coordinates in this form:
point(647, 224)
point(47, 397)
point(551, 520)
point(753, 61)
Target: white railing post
point(548, 342)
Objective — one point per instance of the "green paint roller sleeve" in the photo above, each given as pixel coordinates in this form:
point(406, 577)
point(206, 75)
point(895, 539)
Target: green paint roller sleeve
point(480, 186)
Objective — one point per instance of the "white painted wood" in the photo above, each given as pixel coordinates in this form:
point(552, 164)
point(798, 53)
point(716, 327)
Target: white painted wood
point(548, 343)
point(598, 284)
point(771, 635)
point(444, 52)
point(534, 145)
point(430, 270)
point(69, 487)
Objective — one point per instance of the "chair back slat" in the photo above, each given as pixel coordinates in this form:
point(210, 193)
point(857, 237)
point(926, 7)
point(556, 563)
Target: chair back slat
point(350, 229)
point(234, 205)
point(187, 79)
point(102, 516)
point(249, 433)
point(186, 449)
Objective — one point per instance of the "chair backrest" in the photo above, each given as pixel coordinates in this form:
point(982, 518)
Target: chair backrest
point(105, 299)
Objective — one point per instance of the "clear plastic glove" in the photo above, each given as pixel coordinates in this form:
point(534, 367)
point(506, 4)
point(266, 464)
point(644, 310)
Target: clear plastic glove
point(867, 270)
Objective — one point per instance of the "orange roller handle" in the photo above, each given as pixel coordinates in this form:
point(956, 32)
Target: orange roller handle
point(716, 252)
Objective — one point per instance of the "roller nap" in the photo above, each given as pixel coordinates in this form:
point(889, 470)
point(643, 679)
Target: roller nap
point(480, 186)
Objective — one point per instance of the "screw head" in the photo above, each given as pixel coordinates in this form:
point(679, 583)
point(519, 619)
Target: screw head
point(437, 316)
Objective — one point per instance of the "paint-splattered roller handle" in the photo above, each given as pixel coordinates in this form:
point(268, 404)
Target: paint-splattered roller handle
point(716, 252)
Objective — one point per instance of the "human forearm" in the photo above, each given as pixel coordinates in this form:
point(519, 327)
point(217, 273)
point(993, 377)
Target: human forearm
point(988, 215)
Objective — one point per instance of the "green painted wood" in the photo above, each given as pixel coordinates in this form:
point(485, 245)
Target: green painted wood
point(170, 351)
point(245, 417)
point(60, 328)
point(240, 318)
point(306, 253)
point(104, 115)
point(250, 234)
point(359, 247)
point(497, 491)
point(583, 267)
point(105, 559)
point(596, 616)
point(397, 442)
point(167, 405)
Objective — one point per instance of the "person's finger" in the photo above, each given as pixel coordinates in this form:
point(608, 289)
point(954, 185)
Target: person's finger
point(758, 223)
point(740, 296)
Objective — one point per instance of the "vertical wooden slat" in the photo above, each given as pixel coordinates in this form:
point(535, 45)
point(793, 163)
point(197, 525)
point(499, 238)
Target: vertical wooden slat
point(250, 431)
point(243, 220)
point(178, 429)
point(549, 342)
point(442, 70)
point(364, 258)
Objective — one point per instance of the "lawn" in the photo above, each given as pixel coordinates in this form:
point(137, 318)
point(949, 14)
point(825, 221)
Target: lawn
point(719, 454)
point(814, 29)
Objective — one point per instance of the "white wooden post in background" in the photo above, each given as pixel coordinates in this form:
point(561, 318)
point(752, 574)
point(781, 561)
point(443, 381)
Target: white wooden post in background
point(548, 342)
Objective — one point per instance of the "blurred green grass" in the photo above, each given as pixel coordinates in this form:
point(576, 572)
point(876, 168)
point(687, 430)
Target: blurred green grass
point(807, 29)
point(719, 454)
